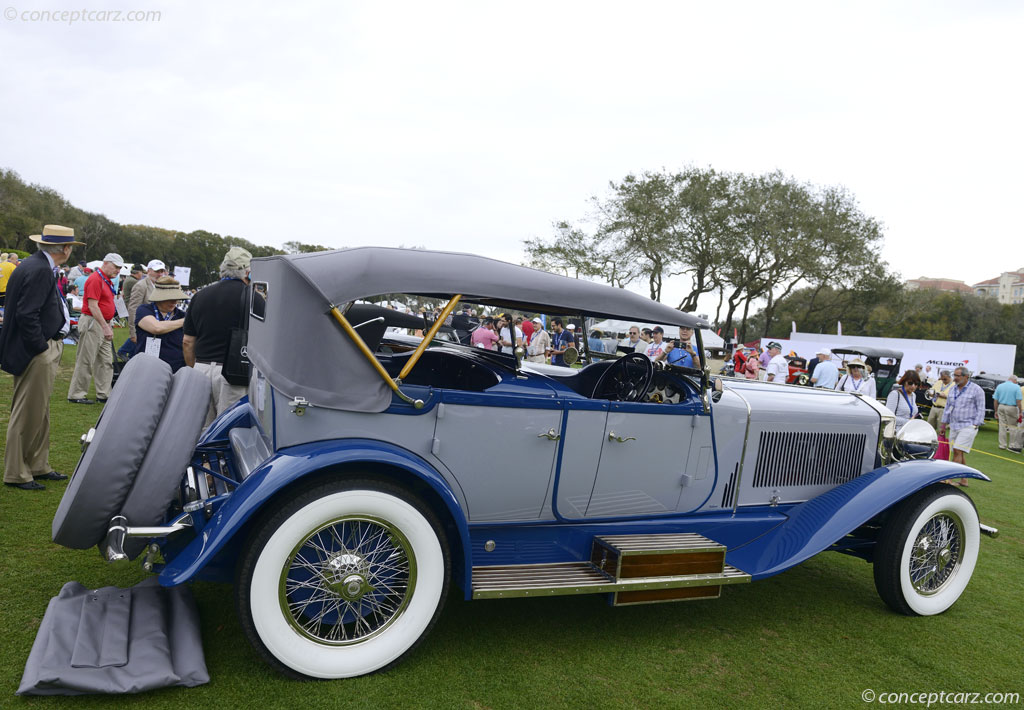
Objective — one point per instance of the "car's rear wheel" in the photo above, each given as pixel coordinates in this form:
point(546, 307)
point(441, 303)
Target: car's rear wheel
point(927, 551)
point(343, 580)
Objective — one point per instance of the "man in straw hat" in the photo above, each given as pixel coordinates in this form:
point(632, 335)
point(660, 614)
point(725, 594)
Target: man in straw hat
point(158, 323)
point(213, 313)
point(95, 358)
point(31, 343)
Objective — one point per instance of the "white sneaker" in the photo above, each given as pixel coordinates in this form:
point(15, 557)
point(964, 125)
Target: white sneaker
point(1002, 447)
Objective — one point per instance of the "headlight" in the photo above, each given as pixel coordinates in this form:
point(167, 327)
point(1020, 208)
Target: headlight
point(915, 440)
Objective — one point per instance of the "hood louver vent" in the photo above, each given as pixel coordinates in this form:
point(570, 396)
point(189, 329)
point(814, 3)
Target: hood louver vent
point(807, 459)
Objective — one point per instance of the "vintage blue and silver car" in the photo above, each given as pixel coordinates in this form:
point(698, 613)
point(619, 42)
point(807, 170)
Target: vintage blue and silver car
point(365, 474)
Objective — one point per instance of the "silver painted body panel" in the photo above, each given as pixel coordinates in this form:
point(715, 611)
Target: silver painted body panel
point(581, 456)
point(643, 474)
point(784, 409)
point(500, 456)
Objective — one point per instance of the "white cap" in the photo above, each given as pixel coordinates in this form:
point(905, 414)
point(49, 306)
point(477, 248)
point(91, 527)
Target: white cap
point(823, 351)
point(156, 265)
point(537, 320)
point(571, 326)
point(114, 259)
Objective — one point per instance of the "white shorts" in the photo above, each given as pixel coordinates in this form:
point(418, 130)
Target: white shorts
point(962, 439)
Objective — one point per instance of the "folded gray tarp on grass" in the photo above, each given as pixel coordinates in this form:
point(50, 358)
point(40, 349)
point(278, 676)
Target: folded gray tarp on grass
point(113, 640)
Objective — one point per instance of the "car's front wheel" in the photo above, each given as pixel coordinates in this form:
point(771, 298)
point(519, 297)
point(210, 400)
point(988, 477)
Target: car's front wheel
point(343, 580)
point(927, 551)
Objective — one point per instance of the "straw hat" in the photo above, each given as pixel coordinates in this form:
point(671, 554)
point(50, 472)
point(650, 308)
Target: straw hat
point(856, 362)
point(167, 289)
point(56, 234)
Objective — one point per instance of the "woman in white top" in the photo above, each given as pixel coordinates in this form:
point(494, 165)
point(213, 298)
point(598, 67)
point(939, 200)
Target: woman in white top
point(855, 380)
point(902, 400)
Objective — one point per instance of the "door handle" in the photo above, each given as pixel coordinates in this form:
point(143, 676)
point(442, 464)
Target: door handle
point(549, 434)
point(612, 436)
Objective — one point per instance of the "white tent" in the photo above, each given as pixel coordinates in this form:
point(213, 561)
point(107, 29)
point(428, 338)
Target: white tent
point(613, 326)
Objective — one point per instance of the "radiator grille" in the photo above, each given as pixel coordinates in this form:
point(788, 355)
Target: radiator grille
point(729, 494)
point(808, 459)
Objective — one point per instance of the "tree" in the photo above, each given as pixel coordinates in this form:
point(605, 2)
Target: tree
point(300, 248)
point(651, 227)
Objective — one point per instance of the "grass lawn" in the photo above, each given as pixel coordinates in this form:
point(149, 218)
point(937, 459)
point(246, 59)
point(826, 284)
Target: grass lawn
point(815, 636)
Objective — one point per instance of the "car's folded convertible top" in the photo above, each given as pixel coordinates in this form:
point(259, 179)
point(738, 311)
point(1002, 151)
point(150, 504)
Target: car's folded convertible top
point(302, 352)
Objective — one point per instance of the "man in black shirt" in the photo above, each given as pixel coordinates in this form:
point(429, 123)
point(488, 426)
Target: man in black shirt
point(212, 314)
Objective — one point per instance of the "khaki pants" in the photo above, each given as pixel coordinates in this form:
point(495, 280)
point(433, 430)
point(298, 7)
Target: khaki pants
point(95, 360)
point(222, 395)
point(28, 431)
point(935, 416)
point(1007, 424)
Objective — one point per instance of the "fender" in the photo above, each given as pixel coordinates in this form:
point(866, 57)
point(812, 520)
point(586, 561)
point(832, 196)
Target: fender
point(238, 414)
point(815, 525)
point(287, 466)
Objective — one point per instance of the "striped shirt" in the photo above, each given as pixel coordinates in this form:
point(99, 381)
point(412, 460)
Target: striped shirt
point(965, 407)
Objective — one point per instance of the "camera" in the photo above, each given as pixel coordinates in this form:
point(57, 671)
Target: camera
point(676, 342)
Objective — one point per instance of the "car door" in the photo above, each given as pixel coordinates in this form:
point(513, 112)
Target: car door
point(644, 452)
point(501, 451)
point(624, 459)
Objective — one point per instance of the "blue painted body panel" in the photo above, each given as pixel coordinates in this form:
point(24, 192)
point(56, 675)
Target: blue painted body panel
point(558, 542)
point(284, 468)
point(815, 525)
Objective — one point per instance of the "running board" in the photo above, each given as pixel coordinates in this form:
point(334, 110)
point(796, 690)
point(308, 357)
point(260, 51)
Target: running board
point(635, 569)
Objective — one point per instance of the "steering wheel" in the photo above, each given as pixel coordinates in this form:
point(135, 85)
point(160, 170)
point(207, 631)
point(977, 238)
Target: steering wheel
point(627, 380)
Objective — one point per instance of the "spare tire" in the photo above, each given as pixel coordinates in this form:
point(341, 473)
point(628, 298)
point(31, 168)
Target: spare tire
point(104, 474)
point(169, 454)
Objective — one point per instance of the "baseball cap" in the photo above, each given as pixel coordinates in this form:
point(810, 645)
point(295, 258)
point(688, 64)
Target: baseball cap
point(571, 326)
point(236, 258)
point(773, 344)
point(156, 265)
point(115, 259)
point(537, 321)
point(823, 351)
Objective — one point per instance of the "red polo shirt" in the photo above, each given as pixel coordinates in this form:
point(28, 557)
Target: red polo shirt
point(99, 287)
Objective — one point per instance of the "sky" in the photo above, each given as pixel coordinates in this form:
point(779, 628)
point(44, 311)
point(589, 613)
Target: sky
point(472, 126)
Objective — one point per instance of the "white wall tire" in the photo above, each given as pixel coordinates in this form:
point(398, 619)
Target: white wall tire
point(927, 551)
point(344, 580)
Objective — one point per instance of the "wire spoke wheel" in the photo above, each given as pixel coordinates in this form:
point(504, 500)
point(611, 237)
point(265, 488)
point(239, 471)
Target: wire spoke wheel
point(937, 553)
point(348, 580)
point(343, 579)
point(926, 551)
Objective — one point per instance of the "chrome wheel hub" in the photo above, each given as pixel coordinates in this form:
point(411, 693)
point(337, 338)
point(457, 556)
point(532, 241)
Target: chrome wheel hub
point(937, 553)
point(346, 576)
point(347, 581)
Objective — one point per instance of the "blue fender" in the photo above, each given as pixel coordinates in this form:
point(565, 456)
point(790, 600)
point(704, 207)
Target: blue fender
point(287, 466)
point(815, 525)
point(238, 414)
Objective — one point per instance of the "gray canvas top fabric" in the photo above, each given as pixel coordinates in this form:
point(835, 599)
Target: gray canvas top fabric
point(303, 352)
point(115, 640)
point(349, 274)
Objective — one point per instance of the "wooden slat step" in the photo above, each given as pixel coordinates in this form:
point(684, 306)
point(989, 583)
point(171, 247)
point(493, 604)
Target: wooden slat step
point(505, 581)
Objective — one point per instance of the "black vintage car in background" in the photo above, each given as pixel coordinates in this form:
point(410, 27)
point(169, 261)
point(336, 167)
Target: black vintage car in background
point(988, 381)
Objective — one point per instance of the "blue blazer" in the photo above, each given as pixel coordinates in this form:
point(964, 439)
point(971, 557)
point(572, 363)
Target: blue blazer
point(33, 315)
